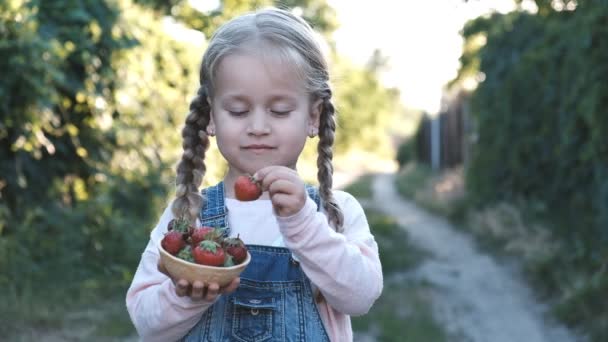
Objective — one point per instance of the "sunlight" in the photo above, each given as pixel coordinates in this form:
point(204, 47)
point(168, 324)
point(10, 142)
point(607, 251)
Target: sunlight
point(204, 5)
point(420, 38)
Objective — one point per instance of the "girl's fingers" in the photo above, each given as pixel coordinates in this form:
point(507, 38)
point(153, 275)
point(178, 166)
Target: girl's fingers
point(261, 174)
point(268, 175)
point(286, 205)
point(232, 286)
point(212, 292)
point(198, 290)
point(289, 183)
point(282, 186)
point(182, 288)
point(287, 197)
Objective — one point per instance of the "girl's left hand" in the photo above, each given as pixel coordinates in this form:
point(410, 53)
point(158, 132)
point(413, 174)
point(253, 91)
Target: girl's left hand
point(285, 187)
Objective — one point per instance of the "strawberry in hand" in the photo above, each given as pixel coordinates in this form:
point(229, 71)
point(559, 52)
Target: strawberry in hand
point(247, 188)
point(208, 253)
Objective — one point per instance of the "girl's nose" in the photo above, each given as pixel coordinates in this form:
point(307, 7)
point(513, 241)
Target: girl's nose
point(258, 123)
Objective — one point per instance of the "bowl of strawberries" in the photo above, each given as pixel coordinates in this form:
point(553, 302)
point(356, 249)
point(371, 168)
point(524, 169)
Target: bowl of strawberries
point(202, 253)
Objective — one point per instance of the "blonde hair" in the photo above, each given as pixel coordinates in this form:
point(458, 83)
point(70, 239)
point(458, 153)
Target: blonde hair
point(292, 40)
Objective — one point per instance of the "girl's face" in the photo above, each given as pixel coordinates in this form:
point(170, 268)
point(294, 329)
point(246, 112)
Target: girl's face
point(261, 114)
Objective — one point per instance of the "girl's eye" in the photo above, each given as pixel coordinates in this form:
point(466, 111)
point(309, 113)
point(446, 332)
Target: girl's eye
point(280, 112)
point(237, 113)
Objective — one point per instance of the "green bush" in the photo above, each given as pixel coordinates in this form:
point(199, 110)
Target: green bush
point(406, 152)
point(542, 125)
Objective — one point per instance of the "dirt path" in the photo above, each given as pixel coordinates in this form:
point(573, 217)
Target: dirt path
point(475, 297)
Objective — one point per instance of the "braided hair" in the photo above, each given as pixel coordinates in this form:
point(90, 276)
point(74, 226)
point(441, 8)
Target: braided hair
point(191, 168)
point(327, 128)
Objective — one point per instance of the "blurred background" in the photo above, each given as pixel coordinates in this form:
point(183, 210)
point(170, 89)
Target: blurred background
point(491, 114)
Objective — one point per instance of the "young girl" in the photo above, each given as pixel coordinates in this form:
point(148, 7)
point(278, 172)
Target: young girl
point(263, 90)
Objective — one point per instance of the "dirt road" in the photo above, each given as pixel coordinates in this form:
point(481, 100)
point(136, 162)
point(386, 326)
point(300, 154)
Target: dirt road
point(474, 296)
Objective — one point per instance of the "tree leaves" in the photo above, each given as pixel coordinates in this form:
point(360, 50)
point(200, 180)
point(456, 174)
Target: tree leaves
point(540, 109)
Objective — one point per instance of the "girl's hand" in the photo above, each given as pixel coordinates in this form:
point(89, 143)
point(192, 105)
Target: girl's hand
point(285, 187)
point(197, 290)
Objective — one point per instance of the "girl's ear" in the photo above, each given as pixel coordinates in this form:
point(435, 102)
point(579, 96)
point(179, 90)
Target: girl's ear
point(211, 124)
point(315, 114)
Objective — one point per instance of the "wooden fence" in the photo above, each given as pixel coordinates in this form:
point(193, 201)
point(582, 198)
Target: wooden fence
point(443, 140)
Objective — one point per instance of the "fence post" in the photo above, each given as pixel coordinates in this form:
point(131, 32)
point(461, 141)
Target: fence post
point(436, 142)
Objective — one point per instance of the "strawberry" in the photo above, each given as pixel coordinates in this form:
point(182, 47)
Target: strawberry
point(208, 253)
point(236, 248)
point(179, 225)
point(186, 254)
point(201, 233)
point(247, 188)
point(173, 242)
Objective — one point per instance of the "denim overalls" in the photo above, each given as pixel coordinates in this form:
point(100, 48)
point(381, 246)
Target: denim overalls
point(274, 301)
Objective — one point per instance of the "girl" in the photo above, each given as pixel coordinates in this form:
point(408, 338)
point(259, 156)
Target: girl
point(263, 89)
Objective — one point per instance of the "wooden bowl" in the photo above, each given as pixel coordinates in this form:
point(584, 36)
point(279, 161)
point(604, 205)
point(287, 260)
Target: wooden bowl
point(182, 269)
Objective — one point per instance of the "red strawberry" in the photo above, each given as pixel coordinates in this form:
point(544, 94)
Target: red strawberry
point(201, 233)
point(173, 242)
point(236, 248)
point(247, 188)
point(208, 253)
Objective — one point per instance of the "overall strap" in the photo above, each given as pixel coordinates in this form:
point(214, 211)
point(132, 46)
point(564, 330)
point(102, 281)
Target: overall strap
point(313, 193)
point(214, 212)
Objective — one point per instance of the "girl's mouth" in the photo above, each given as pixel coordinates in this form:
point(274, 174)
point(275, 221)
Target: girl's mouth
point(258, 148)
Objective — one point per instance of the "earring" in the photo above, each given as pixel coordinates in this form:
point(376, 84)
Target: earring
point(312, 132)
point(210, 132)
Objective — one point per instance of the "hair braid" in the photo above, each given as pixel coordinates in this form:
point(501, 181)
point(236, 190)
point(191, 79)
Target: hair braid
point(327, 128)
point(191, 168)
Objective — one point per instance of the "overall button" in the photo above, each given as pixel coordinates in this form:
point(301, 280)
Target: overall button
point(255, 312)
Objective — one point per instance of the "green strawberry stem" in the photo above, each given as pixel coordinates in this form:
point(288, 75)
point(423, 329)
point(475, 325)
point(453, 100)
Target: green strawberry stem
point(209, 245)
point(229, 261)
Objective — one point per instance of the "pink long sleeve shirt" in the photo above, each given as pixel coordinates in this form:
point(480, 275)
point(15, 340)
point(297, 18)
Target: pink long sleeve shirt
point(345, 267)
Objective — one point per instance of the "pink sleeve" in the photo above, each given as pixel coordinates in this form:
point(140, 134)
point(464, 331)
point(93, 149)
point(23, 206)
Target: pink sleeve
point(344, 266)
point(156, 311)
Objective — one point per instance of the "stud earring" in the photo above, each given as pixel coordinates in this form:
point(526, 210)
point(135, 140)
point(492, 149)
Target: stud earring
point(210, 132)
point(312, 132)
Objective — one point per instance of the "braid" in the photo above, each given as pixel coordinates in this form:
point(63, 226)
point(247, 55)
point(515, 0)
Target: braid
point(327, 128)
point(191, 168)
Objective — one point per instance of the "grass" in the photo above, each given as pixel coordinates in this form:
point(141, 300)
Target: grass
point(361, 188)
point(37, 315)
point(404, 310)
point(434, 191)
point(397, 254)
point(402, 313)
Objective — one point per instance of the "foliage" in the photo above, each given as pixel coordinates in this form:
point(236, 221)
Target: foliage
point(93, 96)
point(317, 12)
point(361, 188)
point(406, 152)
point(365, 108)
point(542, 124)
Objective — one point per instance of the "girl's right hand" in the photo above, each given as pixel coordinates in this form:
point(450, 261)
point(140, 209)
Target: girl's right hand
point(198, 290)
